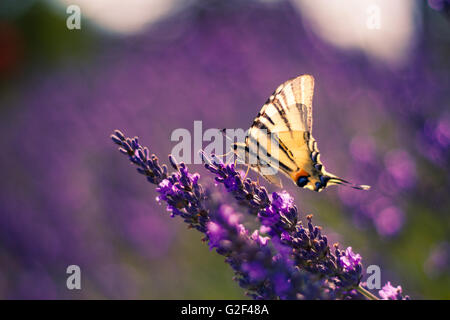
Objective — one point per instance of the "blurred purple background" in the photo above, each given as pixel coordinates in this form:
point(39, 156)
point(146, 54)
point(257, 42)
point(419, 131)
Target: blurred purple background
point(381, 117)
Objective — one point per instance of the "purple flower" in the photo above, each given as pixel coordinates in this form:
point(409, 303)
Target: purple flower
point(262, 241)
point(281, 283)
point(349, 260)
point(294, 261)
point(256, 271)
point(388, 292)
point(247, 192)
point(308, 247)
point(257, 267)
point(280, 215)
point(215, 234)
point(282, 201)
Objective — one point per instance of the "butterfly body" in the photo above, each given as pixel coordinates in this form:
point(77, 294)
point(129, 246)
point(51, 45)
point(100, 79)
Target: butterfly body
point(280, 139)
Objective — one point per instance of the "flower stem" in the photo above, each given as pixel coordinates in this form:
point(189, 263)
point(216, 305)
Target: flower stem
point(366, 293)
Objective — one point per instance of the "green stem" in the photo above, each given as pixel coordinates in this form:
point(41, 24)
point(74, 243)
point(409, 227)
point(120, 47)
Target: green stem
point(366, 293)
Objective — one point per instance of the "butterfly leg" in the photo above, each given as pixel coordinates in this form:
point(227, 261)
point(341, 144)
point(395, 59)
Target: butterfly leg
point(223, 155)
point(246, 173)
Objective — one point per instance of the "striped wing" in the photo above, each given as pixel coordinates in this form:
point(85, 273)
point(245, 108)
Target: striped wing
point(289, 108)
point(288, 115)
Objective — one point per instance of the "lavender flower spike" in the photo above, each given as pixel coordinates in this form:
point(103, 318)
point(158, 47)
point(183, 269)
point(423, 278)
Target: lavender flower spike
point(388, 292)
point(309, 248)
point(349, 260)
point(290, 260)
point(264, 274)
point(247, 192)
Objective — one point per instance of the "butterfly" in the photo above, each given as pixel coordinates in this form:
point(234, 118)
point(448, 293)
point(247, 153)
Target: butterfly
point(280, 139)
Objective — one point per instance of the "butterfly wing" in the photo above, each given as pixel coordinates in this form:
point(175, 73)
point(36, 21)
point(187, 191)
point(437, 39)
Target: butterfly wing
point(289, 108)
point(263, 165)
point(272, 178)
point(280, 138)
point(285, 117)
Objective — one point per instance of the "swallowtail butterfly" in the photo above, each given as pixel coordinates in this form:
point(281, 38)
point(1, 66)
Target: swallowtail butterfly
point(287, 116)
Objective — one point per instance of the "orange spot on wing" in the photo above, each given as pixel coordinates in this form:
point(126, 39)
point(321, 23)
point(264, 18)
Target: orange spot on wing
point(299, 173)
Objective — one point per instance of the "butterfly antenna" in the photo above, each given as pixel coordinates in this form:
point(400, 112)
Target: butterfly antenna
point(340, 181)
point(246, 173)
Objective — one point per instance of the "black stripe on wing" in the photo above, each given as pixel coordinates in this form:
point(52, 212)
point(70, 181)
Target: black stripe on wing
point(293, 102)
point(258, 124)
point(253, 143)
point(282, 112)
